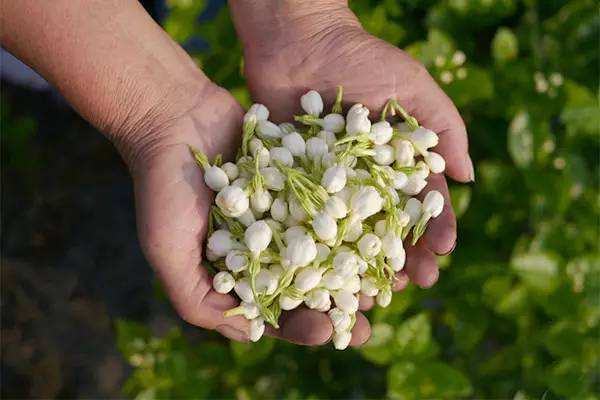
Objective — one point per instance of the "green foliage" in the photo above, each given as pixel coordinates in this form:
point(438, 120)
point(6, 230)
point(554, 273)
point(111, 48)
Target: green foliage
point(517, 309)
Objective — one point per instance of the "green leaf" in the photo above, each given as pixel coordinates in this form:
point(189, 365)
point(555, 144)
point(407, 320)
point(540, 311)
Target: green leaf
point(413, 337)
point(377, 348)
point(460, 197)
point(505, 46)
point(408, 380)
point(520, 140)
point(131, 337)
point(247, 354)
point(537, 270)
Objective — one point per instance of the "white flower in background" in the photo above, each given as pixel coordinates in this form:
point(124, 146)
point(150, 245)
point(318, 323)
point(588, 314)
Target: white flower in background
point(357, 120)
point(312, 103)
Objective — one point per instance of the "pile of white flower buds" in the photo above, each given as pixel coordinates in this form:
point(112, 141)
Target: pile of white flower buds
point(317, 213)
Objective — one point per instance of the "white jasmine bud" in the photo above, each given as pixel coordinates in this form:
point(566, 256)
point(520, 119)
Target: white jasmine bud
point(301, 251)
point(231, 170)
point(399, 180)
point(265, 282)
point(223, 282)
point(294, 232)
point(264, 157)
point(260, 112)
point(357, 120)
point(365, 202)
point(335, 207)
point(240, 182)
point(268, 130)
point(316, 148)
point(232, 201)
point(369, 245)
point(380, 228)
point(322, 252)
point(287, 303)
point(346, 194)
point(423, 139)
point(354, 230)
point(362, 266)
point(362, 173)
point(393, 195)
point(318, 299)
point(243, 290)
point(257, 237)
point(287, 127)
point(273, 178)
point(296, 209)
point(254, 145)
point(340, 320)
point(257, 329)
point(352, 284)
point(368, 287)
point(312, 103)
point(332, 280)
point(381, 132)
point(210, 255)
point(250, 309)
point(346, 301)
point(334, 179)
point(329, 160)
point(397, 263)
point(276, 270)
point(247, 218)
point(294, 143)
point(435, 162)
point(307, 279)
point(334, 123)
point(236, 261)
point(345, 263)
point(328, 137)
point(384, 154)
point(404, 152)
point(433, 203)
point(279, 210)
point(215, 178)
point(413, 209)
point(414, 185)
point(220, 242)
point(384, 298)
point(324, 226)
point(341, 340)
point(261, 200)
point(391, 245)
point(282, 155)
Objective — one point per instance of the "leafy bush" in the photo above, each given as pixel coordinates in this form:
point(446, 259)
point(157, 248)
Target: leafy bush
point(516, 311)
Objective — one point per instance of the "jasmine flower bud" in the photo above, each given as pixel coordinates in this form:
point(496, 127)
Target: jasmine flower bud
point(332, 280)
point(257, 237)
point(368, 287)
point(223, 282)
point(294, 143)
point(414, 185)
point(404, 152)
point(384, 154)
point(257, 110)
point(381, 132)
point(236, 261)
point(257, 329)
point(380, 228)
point(352, 284)
point(334, 123)
point(210, 255)
point(264, 157)
point(312, 103)
point(318, 299)
point(265, 282)
point(345, 263)
point(423, 139)
point(346, 301)
point(422, 170)
point(232, 201)
point(243, 290)
point(247, 218)
point(391, 245)
point(287, 303)
point(397, 263)
point(215, 178)
point(282, 155)
point(365, 202)
point(316, 148)
point(357, 120)
point(353, 231)
point(369, 245)
point(240, 182)
point(341, 340)
point(324, 226)
point(254, 145)
point(413, 208)
point(393, 195)
point(334, 179)
point(301, 251)
point(268, 130)
point(296, 209)
point(231, 170)
point(433, 203)
point(435, 162)
point(220, 243)
point(261, 200)
point(328, 137)
point(329, 160)
point(384, 298)
point(340, 320)
point(294, 232)
point(273, 178)
point(322, 252)
point(250, 310)
point(287, 127)
point(279, 210)
point(276, 270)
point(335, 207)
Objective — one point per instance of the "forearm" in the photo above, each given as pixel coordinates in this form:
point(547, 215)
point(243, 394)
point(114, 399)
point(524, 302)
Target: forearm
point(116, 67)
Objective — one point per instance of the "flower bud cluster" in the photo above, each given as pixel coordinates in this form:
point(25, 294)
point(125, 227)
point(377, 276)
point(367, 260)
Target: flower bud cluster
point(317, 213)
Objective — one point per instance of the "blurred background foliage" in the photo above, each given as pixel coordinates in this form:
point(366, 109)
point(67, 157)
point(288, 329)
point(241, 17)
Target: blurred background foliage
point(516, 312)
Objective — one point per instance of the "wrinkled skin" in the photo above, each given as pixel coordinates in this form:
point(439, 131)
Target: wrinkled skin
point(308, 55)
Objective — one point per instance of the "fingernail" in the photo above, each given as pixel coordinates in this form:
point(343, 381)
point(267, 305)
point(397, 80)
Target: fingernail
point(232, 333)
point(471, 169)
point(449, 251)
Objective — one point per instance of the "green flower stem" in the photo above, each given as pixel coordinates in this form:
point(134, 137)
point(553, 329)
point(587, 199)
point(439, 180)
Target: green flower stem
point(311, 195)
point(388, 108)
point(420, 227)
point(337, 106)
point(248, 131)
point(200, 157)
point(409, 119)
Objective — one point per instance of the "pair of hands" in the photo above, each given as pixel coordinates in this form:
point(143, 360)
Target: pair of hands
point(309, 52)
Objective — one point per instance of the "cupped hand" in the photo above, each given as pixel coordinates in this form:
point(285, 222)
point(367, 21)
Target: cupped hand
point(322, 50)
point(172, 204)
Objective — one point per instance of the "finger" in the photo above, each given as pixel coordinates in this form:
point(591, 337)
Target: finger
point(361, 332)
point(440, 236)
point(303, 326)
point(434, 110)
point(421, 266)
point(365, 303)
point(401, 281)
